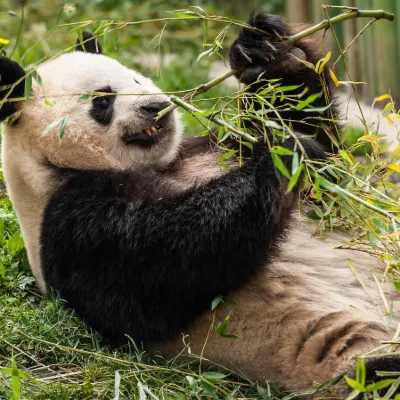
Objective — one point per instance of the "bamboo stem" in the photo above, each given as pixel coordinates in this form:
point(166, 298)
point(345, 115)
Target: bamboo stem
point(196, 91)
point(188, 107)
point(325, 24)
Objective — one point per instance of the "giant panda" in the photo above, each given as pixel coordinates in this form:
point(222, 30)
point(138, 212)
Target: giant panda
point(138, 229)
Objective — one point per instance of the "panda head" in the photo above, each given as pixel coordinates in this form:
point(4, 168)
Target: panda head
point(114, 130)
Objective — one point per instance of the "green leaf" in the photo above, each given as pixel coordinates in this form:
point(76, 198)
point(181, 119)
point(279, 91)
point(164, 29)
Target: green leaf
point(62, 128)
point(221, 328)
point(273, 124)
point(205, 29)
point(221, 132)
point(1, 230)
point(48, 102)
point(380, 385)
point(387, 110)
point(371, 239)
point(281, 150)
point(379, 225)
point(317, 109)
point(346, 157)
point(215, 302)
point(37, 77)
point(2, 271)
point(213, 375)
point(15, 380)
point(321, 64)
point(85, 97)
point(307, 101)
point(192, 383)
point(294, 179)
point(227, 155)
point(361, 371)
point(280, 165)
point(354, 384)
point(288, 88)
point(397, 285)
point(15, 243)
point(295, 162)
point(208, 390)
point(28, 87)
point(52, 126)
point(204, 53)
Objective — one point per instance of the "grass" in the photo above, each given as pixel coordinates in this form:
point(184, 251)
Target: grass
point(48, 353)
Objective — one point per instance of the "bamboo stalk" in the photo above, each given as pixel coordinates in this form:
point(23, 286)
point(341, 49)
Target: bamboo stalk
point(325, 24)
point(188, 107)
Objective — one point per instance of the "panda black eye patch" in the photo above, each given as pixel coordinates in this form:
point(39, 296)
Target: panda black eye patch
point(103, 106)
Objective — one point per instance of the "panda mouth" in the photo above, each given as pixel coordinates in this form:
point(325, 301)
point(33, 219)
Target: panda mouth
point(146, 137)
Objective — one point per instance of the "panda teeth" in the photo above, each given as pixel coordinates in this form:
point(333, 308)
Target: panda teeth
point(150, 131)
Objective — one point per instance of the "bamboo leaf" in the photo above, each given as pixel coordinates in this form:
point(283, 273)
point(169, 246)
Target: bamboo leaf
point(346, 157)
point(354, 384)
point(387, 110)
point(52, 126)
point(321, 64)
point(281, 150)
point(333, 77)
point(309, 100)
point(361, 371)
point(294, 179)
point(215, 302)
point(379, 385)
point(383, 97)
point(62, 128)
point(205, 29)
point(394, 167)
point(280, 165)
point(213, 375)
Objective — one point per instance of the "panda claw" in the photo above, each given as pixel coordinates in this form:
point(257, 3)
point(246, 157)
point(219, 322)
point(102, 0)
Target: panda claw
point(277, 34)
point(244, 54)
point(270, 45)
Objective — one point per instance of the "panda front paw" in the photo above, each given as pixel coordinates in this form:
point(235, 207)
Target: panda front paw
point(253, 50)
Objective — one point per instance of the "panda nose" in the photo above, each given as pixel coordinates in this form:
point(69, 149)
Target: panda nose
point(156, 107)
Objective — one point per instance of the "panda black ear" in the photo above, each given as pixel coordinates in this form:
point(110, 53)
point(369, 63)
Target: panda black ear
point(89, 44)
point(10, 73)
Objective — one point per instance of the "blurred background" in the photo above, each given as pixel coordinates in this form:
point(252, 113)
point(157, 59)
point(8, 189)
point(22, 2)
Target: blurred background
point(167, 51)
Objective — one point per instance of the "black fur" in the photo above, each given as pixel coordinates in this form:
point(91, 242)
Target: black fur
point(89, 44)
point(102, 110)
point(133, 257)
point(10, 73)
point(254, 53)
